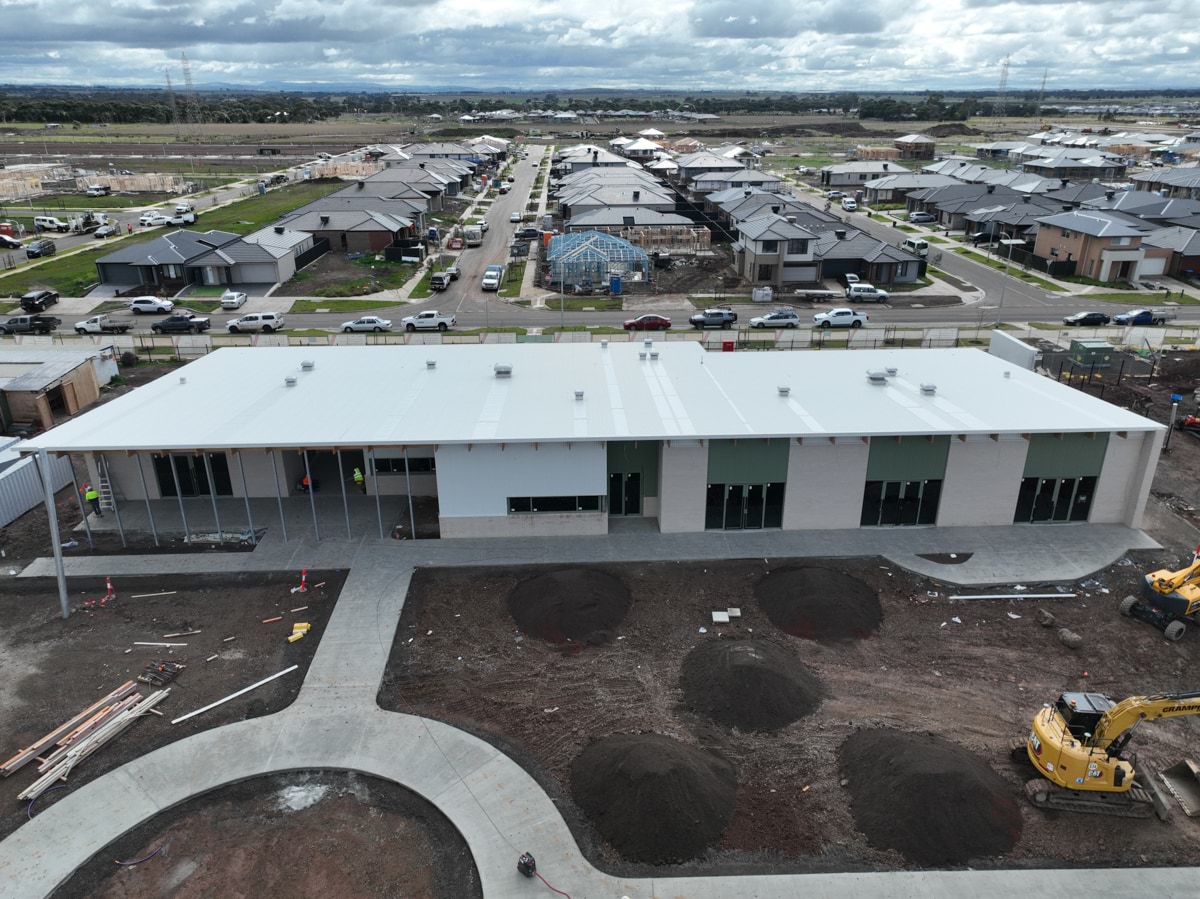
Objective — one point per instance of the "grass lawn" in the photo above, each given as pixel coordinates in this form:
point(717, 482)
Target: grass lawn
point(949, 279)
point(475, 332)
point(513, 278)
point(347, 306)
point(1138, 298)
point(1046, 326)
point(933, 239)
point(1013, 270)
point(422, 290)
point(70, 275)
point(53, 202)
point(919, 284)
point(708, 302)
point(599, 329)
point(908, 228)
point(204, 290)
point(1007, 326)
point(257, 211)
point(578, 304)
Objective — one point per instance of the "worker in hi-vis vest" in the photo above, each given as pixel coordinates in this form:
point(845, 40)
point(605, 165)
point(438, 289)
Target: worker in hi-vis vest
point(359, 481)
point(92, 495)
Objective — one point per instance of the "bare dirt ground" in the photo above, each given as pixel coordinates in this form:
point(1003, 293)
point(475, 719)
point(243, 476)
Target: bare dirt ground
point(55, 668)
point(304, 835)
point(967, 671)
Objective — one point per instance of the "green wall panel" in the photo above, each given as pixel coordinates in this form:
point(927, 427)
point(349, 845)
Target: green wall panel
point(750, 461)
point(907, 459)
point(628, 456)
point(1065, 455)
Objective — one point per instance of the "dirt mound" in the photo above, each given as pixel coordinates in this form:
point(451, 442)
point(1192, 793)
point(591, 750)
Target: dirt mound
point(578, 605)
point(656, 800)
point(952, 129)
point(928, 799)
point(819, 604)
point(749, 684)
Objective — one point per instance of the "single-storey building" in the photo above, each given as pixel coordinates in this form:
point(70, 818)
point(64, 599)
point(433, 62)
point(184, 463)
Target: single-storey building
point(557, 439)
point(856, 174)
point(40, 384)
point(159, 264)
point(354, 231)
point(846, 251)
point(1171, 251)
point(264, 258)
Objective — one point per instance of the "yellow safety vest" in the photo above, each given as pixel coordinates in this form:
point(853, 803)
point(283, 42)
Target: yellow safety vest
point(91, 495)
point(358, 476)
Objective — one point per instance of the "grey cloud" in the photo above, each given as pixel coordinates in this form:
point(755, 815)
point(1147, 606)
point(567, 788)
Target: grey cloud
point(745, 19)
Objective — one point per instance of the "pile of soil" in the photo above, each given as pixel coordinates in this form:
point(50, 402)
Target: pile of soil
point(572, 605)
point(928, 799)
point(749, 684)
point(656, 800)
point(819, 604)
point(952, 129)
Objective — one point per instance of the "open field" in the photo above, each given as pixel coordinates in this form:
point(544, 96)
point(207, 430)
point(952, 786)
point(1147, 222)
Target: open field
point(70, 275)
point(257, 211)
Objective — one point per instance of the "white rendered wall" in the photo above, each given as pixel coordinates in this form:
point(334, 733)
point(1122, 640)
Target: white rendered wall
point(682, 486)
point(983, 478)
point(1125, 477)
point(126, 483)
point(476, 482)
point(824, 485)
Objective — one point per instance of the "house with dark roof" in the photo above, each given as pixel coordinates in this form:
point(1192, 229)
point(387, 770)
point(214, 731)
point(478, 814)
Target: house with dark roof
point(1101, 245)
point(1181, 182)
point(847, 251)
point(354, 230)
point(856, 174)
point(712, 182)
point(771, 249)
point(159, 265)
point(258, 261)
point(894, 188)
point(1171, 251)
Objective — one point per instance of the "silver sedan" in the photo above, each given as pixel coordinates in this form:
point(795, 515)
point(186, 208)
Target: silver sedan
point(368, 323)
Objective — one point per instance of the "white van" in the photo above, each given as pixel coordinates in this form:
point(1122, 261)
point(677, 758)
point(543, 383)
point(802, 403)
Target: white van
point(849, 204)
point(50, 223)
point(97, 190)
point(916, 246)
point(183, 207)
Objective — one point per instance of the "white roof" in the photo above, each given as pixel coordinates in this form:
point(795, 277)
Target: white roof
point(236, 397)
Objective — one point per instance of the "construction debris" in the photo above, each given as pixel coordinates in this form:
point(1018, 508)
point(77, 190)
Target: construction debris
point(1069, 638)
point(31, 751)
point(147, 595)
point(181, 634)
point(272, 620)
point(228, 639)
point(299, 609)
point(211, 657)
point(159, 674)
point(213, 705)
point(88, 737)
point(1046, 618)
point(160, 644)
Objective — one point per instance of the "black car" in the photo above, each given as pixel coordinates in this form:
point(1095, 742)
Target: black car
point(527, 234)
point(8, 242)
point(39, 300)
point(1087, 318)
point(40, 247)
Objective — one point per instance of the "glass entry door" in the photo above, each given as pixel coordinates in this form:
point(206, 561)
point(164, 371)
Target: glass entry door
point(192, 474)
point(625, 493)
point(743, 507)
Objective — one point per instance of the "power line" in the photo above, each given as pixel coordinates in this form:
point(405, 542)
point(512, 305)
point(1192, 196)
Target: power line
point(1000, 108)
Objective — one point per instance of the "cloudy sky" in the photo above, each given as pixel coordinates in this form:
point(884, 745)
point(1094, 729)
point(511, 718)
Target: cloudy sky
point(775, 45)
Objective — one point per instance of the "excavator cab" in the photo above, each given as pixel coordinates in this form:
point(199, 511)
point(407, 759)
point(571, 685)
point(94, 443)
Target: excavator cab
point(1082, 712)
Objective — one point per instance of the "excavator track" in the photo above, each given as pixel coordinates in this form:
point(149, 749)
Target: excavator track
point(1137, 803)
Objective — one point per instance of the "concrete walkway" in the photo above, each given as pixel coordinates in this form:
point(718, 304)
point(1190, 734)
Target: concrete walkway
point(500, 810)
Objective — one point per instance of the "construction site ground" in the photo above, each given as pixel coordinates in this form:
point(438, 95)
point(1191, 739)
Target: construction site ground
point(54, 669)
point(970, 672)
point(306, 835)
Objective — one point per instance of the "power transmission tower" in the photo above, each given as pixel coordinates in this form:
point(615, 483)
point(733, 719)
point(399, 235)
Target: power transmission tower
point(193, 103)
point(1042, 92)
point(174, 105)
point(1000, 108)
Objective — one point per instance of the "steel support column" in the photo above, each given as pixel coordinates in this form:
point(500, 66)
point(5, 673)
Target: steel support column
point(212, 495)
point(146, 496)
point(375, 481)
point(312, 498)
point(278, 495)
point(43, 468)
point(345, 502)
point(179, 496)
point(412, 516)
point(246, 497)
point(82, 511)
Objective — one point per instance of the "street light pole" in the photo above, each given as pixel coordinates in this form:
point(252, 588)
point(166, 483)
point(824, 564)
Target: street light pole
point(1004, 283)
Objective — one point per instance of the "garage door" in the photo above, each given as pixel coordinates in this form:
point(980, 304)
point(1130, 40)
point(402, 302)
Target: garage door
point(1152, 265)
point(799, 274)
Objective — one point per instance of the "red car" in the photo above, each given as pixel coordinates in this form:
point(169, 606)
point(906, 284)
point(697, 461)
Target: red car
point(648, 323)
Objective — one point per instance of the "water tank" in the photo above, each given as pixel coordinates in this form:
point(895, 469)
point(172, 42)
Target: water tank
point(762, 295)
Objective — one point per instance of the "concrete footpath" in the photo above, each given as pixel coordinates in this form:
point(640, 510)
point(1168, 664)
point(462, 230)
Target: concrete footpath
point(497, 806)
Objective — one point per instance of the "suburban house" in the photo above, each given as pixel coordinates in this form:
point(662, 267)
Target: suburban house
point(693, 165)
point(592, 256)
point(159, 264)
point(258, 261)
point(1008, 220)
point(856, 174)
point(354, 231)
point(712, 182)
point(564, 439)
point(444, 150)
point(1181, 182)
point(894, 188)
point(587, 156)
point(846, 251)
point(1146, 206)
point(614, 196)
point(916, 146)
point(1171, 251)
point(645, 228)
point(1104, 167)
point(770, 249)
point(729, 207)
point(1101, 246)
point(1070, 194)
point(642, 150)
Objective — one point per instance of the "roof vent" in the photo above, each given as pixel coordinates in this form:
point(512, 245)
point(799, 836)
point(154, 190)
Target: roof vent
point(892, 371)
point(289, 381)
point(307, 365)
point(360, 185)
point(784, 390)
point(647, 343)
point(324, 220)
point(654, 354)
point(279, 229)
point(604, 344)
point(502, 370)
point(929, 389)
point(182, 379)
point(642, 354)
point(877, 377)
point(578, 394)
point(839, 234)
point(431, 363)
point(1007, 373)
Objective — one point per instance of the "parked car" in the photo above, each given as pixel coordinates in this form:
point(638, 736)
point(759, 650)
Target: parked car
point(848, 278)
point(8, 242)
point(492, 276)
point(840, 318)
point(1087, 318)
point(440, 281)
point(785, 317)
point(453, 272)
point(527, 234)
point(921, 218)
point(40, 247)
point(153, 305)
point(1143, 317)
point(862, 291)
point(713, 318)
point(106, 231)
point(368, 323)
point(429, 320)
point(30, 324)
point(38, 300)
point(101, 324)
point(515, 217)
point(512, 178)
point(834, 195)
point(50, 223)
point(232, 299)
point(256, 321)
point(181, 323)
point(648, 322)
point(849, 204)
point(153, 220)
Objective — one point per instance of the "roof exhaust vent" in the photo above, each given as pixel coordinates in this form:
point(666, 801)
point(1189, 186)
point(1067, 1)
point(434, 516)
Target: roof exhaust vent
point(324, 220)
point(279, 229)
point(578, 394)
point(647, 343)
point(877, 377)
point(431, 363)
point(502, 370)
point(307, 365)
point(182, 379)
point(892, 371)
point(653, 355)
point(1007, 374)
point(604, 344)
point(289, 381)
point(929, 389)
point(642, 355)
point(784, 390)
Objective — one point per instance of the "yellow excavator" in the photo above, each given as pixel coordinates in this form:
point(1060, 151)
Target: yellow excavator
point(1079, 747)
point(1169, 599)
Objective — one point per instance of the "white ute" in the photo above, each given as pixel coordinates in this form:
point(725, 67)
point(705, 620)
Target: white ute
point(840, 318)
point(429, 320)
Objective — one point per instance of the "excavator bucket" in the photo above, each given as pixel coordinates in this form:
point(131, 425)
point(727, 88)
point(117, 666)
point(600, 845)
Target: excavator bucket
point(1183, 782)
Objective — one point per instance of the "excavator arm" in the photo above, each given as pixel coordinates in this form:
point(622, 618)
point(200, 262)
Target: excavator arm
point(1170, 581)
point(1114, 727)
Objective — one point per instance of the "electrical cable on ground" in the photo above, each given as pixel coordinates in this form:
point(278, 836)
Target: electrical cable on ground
point(556, 889)
point(29, 808)
point(117, 861)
